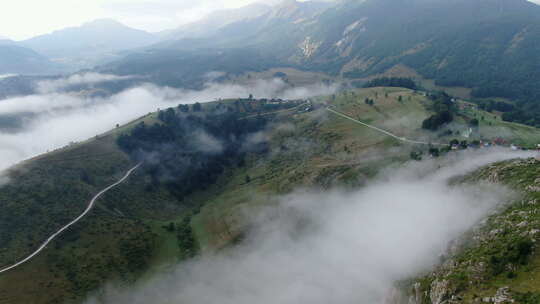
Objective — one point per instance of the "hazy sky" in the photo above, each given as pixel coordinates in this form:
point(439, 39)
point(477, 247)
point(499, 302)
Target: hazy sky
point(21, 19)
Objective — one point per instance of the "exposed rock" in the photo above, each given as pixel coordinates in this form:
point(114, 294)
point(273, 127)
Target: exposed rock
point(309, 47)
point(502, 296)
point(523, 224)
point(417, 297)
point(439, 291)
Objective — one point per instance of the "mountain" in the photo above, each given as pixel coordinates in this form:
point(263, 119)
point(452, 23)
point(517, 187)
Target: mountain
point(245, 31)
point(488, 46)
point(19, 60)
point(95, 41)
point(234, 48)
point(215, 21)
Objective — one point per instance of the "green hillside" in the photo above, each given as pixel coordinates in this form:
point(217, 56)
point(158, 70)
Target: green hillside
point(498, 260)
point(163, 214)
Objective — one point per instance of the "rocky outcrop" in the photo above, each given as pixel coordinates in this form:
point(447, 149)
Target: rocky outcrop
point(439, 291)
point(502, 296)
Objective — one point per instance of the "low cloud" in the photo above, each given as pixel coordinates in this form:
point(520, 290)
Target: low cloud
point(336, 246)
point(52, 86)
point(55, 119)
point(212, 76)
point(4, 76)
point(206, 143)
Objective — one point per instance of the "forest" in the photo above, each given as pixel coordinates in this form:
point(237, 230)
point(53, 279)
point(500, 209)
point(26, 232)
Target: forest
point(191, 146)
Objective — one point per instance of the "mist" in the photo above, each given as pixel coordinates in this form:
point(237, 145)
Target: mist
point(54, 118)
point(91, 78)
point(4, 76)
point(336, 246)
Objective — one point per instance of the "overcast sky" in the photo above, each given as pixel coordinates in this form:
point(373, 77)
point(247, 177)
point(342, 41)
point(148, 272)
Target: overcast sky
point(21, 19)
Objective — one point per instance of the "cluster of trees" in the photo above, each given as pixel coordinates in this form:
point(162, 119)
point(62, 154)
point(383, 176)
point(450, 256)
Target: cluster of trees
point(369, 101)
point(186, 239)
point(188, 151)
point(444, 111)
point(516, 253)
point(525, 113)
point(392, 82)
point(491, 105)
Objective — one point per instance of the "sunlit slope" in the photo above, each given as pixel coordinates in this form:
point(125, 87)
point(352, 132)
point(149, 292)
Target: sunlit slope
point(127, 233)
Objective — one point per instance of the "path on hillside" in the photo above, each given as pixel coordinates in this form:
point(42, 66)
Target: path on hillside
point(403, 139)
point(75, 221)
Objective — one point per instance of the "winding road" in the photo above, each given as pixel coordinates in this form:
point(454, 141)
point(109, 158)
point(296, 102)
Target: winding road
point(75, 221)
point(402, 139)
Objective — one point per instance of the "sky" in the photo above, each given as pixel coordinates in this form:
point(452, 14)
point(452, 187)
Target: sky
point(24, 19)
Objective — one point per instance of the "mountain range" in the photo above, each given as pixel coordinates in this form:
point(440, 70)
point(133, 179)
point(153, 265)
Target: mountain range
point(17, 59)
point(486, 46)
point(489, 46)
point(90, 43)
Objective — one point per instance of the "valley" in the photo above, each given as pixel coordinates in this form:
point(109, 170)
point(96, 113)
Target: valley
point(291, 151)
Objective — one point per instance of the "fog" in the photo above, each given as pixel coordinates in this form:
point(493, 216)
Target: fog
point(52, 86)
point(4, 76)
point(336, 246)
point(61, 118)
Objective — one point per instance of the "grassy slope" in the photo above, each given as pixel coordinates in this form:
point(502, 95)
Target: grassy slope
point(124, 236)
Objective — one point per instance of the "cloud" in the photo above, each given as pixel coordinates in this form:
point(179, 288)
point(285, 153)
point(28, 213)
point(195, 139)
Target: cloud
point(335, 246)
point(51, 86)
point(206, 143)
point(214, 75)
point(60, 118)
point(4, 76)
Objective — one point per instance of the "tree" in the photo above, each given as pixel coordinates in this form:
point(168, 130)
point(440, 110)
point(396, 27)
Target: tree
point(250, 97)
point(197, 107)
point(248, 179)
point(400, 98)
point(171, 227)
point(416, 155)
point(474, 123)
point(183, 108)
point(436, 121)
